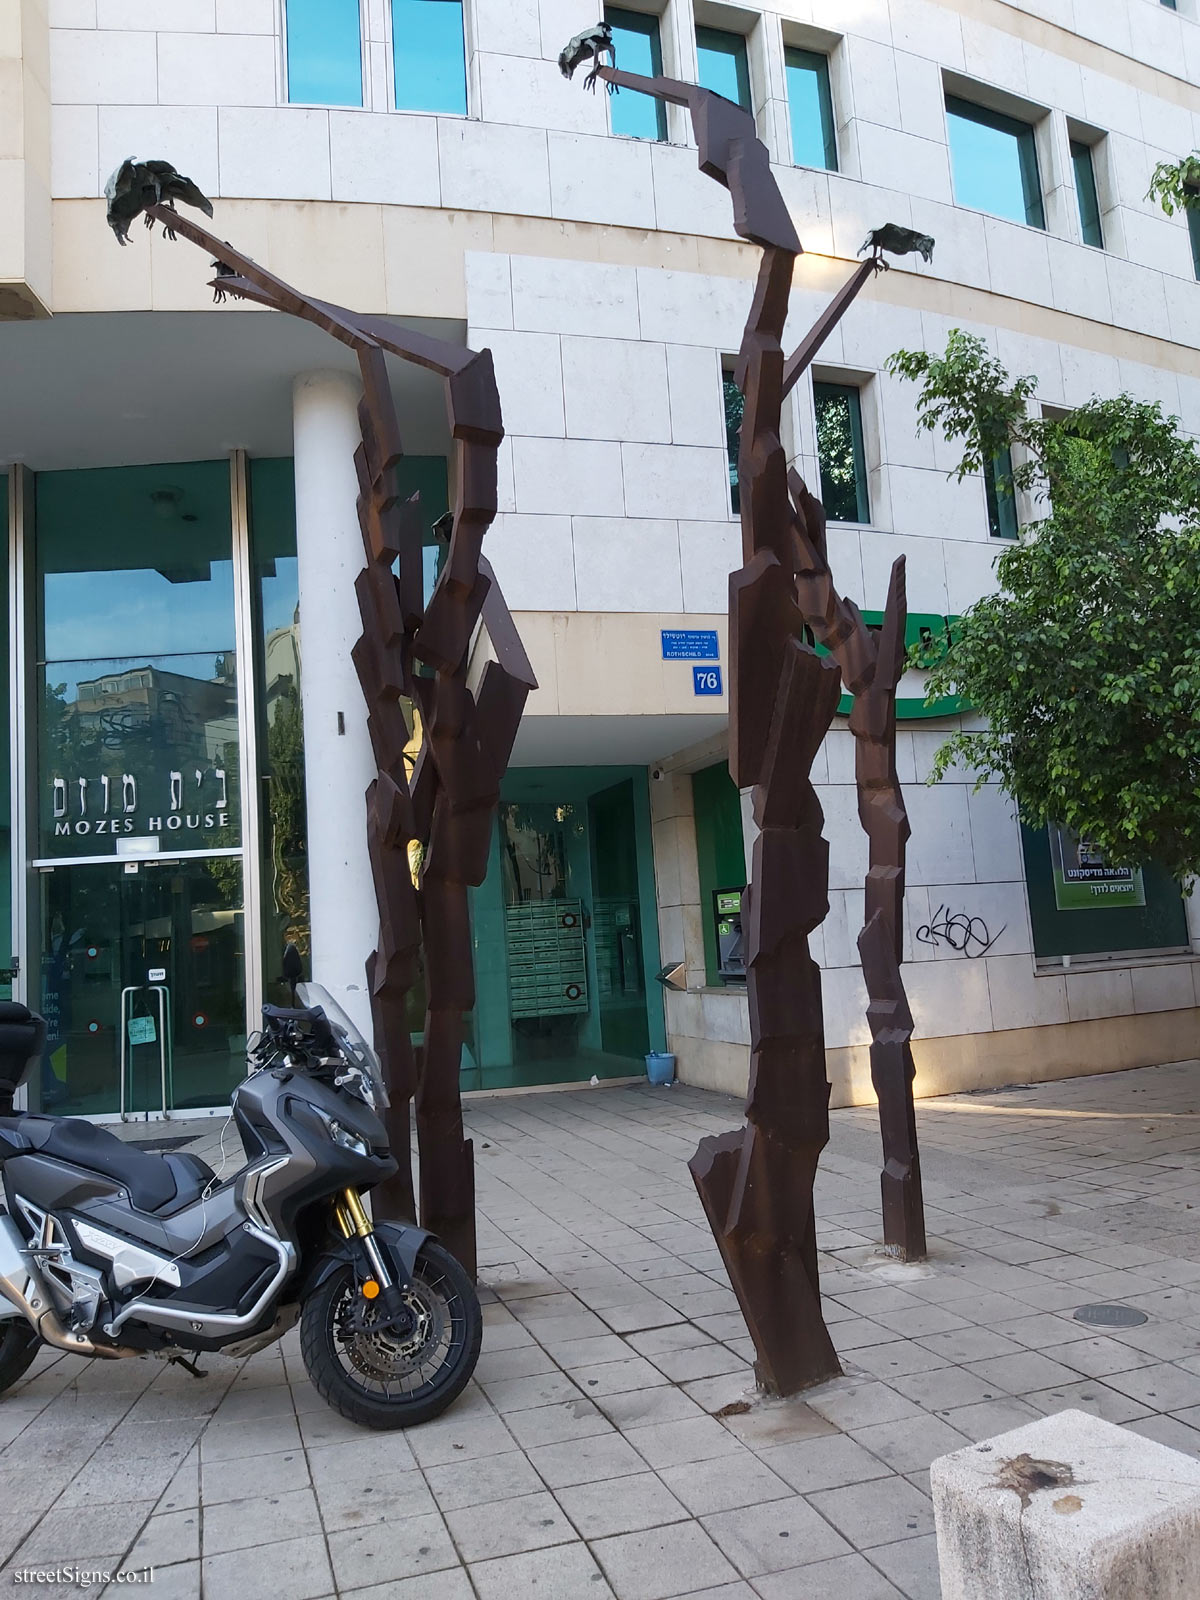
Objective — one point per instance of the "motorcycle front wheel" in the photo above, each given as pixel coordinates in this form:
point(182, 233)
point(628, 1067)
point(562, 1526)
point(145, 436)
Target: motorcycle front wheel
point(382, 1380)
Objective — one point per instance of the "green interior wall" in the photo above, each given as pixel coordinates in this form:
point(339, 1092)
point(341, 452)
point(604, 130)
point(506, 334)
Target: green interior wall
point(720, 849)
point(1161, 924)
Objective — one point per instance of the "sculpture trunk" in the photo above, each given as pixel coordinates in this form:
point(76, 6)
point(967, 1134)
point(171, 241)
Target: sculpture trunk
point(756, 1184)
point(871, 667)
point(445, 813)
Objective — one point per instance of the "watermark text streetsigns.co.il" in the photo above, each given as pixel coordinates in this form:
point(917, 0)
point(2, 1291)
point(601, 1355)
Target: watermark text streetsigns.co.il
point(81, 1577)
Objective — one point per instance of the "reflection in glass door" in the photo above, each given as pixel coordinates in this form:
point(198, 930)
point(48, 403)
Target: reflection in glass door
point(138, 813)
point(143, 985)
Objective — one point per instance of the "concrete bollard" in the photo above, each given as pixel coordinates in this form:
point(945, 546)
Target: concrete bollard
point(1068, 1508)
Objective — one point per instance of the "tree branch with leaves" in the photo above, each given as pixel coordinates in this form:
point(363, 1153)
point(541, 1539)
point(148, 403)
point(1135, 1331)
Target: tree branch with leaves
point(1086, 661)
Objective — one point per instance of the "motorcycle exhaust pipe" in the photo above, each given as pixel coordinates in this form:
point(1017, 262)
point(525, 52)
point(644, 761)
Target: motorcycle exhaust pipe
point(22, 1286)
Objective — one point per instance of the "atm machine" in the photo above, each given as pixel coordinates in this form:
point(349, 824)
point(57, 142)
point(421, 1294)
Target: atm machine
point(727, 926)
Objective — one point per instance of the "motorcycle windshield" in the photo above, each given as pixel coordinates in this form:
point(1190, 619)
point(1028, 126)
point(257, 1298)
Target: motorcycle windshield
point(351, 1040)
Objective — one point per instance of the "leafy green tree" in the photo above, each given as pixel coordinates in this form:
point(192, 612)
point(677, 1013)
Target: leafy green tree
point(1086, 662)
point(1176, 184)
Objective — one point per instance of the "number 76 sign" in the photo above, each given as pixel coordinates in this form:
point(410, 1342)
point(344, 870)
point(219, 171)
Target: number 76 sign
point(706, 680)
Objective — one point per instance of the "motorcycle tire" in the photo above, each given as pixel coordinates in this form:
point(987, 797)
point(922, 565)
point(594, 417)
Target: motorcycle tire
point(19, 1344)
point(379, 1380)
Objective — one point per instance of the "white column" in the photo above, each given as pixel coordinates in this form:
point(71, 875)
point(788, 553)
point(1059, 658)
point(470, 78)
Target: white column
point(337, 753)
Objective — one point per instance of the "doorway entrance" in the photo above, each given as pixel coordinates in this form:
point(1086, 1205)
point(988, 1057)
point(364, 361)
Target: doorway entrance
point(566, 933)
point(143, 985)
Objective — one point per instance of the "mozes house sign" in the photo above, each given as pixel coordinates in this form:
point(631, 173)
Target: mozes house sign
point(196, 802)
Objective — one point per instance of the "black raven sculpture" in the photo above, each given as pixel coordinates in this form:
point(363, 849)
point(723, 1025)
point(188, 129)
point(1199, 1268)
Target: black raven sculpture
point(589, 46)
point(898, 241)
point(137, 185)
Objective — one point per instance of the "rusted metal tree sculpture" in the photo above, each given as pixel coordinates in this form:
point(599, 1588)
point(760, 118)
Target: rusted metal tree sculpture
point(756, 1183)
point(449, 805)
point(871, 665)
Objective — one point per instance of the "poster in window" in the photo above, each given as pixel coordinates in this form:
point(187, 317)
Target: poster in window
point(1083, 881)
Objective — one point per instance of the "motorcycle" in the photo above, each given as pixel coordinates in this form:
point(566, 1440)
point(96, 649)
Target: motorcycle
point(111, 1251)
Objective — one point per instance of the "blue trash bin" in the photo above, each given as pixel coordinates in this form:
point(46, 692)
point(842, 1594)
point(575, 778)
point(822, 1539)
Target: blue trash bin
point(660, 1067)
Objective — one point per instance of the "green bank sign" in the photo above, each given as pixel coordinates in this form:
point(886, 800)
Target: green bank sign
point(933, 634)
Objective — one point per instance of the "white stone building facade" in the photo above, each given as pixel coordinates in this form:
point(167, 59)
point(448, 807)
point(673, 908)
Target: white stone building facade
point(603, 273)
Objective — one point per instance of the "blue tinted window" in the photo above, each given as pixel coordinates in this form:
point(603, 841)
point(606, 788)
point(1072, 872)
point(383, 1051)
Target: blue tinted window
point(635, 38)
point(430, 59)
point(1193, 217)
point(810, 106)
point(324, 52)
point(722, 64)
point(994, 161)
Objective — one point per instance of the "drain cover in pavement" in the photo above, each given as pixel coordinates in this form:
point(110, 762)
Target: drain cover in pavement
point(1111, 1316)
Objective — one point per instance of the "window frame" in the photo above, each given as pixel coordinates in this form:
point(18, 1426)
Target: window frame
point(741, 55)
point(733, 487)
point(1025, 134)
point(816, 62)
point(1003, 521)
point(1083, 160)
point(652, 29)
point(833, 388)
point(389, 41)
point(364, 76)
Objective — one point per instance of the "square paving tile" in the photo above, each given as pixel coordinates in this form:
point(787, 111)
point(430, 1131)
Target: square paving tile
point(508, 1527)
point(603, 1455)
point(622, 1505)
point(672, 1444)
point(827, 1463)
point(298, 1568)
point(473, 1483)
point(911, 1445)
point(1162, 1387)
point(572, 1419)
point(850, 1404)
point(654, 1564)
point(724, 1482)
point(363, 1557)
point(774, 1536)
point(876, 1513)
point(240, 1524)
point(912, 1565)
point(844, 1578)
point(566, 1572)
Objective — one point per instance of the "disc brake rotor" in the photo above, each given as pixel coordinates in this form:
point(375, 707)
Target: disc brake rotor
point(387, 1355)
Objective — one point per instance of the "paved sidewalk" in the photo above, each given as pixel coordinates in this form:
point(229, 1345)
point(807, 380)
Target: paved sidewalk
point(603, 1450)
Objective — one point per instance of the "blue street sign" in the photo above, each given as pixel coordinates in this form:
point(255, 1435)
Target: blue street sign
point(690, 644)
point(706, 680)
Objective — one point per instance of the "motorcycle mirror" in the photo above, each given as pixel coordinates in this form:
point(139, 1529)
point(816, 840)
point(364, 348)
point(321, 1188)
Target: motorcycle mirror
point(293, 968)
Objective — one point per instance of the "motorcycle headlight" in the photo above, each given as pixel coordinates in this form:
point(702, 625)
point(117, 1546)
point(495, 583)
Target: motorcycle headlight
point(347, 1140)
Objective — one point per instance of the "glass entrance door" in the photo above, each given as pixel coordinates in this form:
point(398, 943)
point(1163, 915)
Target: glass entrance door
point(137, 851)
point(565, 932)
point(143, 985)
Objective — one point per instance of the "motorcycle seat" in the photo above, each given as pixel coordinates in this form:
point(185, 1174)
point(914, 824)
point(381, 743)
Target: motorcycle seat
point(155, 1182)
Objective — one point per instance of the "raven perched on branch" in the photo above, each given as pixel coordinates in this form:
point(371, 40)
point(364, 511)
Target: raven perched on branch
point(589, 46)
point(137, 185)
point(898, 241)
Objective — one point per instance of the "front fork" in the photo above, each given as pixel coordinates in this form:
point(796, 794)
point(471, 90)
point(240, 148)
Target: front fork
point(379, 1282)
